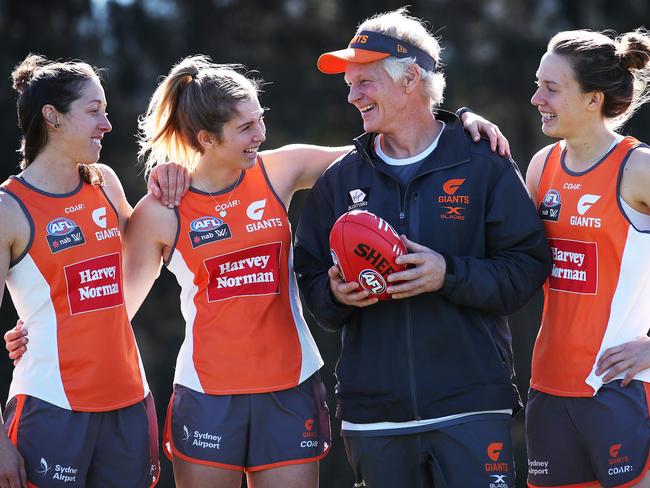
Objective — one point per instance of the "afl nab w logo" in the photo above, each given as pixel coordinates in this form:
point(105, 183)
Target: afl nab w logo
point(207, 229)
point(62, 234)
point(551, 205)
point(255, 210)
point(372, 281)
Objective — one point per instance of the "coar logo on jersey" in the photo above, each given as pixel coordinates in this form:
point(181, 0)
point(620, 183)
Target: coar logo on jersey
point(584, 204)
point(62, 234)
point(549, 208)
point(207, 229)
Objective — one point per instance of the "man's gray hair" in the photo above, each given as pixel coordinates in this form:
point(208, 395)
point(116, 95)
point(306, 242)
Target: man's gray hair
point(400, 25)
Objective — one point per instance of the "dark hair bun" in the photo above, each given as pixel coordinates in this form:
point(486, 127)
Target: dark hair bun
point(635, 49)
point(25, 71)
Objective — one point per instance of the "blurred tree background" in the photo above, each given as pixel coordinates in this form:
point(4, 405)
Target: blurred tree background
point(491, 51)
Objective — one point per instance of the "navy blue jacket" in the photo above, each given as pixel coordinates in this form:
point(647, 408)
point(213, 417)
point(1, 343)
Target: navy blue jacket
point(441, 353)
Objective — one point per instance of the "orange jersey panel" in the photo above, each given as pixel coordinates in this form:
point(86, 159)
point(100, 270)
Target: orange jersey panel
point(593, 289)
point(244, 327)
point(68, 290)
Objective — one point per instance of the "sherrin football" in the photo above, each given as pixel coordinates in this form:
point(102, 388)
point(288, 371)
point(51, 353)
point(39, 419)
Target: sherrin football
point(364, 247)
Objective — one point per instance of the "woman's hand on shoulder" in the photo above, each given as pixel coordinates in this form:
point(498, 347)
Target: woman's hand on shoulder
point(169, 182)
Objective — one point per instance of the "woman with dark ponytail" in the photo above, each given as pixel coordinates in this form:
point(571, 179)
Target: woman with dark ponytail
point(587, 418)
point(79, 408)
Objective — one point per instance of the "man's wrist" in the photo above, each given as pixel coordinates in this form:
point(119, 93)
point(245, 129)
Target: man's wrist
point(463, 110)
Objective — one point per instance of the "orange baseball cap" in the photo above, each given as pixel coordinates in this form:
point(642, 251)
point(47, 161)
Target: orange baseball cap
point(368, 46)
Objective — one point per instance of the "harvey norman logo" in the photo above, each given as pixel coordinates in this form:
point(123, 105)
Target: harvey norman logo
point(94, 284)
point(247, 272)
point(575, 266)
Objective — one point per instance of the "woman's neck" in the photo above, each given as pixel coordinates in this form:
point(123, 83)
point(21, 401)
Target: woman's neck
point(212, 177)
point(52, 175)
point(586, 149)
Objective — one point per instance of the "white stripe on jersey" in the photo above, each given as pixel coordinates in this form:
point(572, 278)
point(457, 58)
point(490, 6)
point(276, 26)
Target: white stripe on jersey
point(37, 374)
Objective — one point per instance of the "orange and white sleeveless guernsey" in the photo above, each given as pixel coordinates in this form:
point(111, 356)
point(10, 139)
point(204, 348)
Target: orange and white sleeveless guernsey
point(67, 288)
point(244, 329)
point(597, 294)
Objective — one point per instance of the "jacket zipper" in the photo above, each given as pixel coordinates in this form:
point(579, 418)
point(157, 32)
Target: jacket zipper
point(409, 328)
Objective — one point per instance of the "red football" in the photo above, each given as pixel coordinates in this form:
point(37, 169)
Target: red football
point(364, 247)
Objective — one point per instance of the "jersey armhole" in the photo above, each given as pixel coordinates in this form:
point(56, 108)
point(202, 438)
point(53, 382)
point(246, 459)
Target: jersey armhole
point(178, 233)
point(101, 187)
point(618, 187)
point(268, 182)
point(31, 227)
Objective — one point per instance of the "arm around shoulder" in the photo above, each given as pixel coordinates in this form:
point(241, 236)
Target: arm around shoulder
point(298, 166)
point(150, 233)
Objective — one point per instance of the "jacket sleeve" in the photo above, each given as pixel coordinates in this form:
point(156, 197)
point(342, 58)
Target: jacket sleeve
point(312, 259)
point(517, 256)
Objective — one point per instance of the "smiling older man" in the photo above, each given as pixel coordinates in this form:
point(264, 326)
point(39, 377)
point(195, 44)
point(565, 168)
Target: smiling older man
point(425, 388)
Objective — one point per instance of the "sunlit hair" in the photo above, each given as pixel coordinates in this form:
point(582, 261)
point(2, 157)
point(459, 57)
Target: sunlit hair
point(41, 82)
point(400, 25)
point(617, 66)
point(196, 95)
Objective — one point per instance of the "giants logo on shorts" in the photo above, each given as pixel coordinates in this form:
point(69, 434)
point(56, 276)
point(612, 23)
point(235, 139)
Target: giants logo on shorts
point(550, 207)
point(494, 453)
point(207, 229)
point(94, 284)
point(615, 457)
point(309, 426)
point(252, 271)
point(575, 266)
point(62, 234)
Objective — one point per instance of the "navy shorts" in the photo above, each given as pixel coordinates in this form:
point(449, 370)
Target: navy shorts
point(64, 448)
point(602, 439)
point(249, 432)
point(470, 454)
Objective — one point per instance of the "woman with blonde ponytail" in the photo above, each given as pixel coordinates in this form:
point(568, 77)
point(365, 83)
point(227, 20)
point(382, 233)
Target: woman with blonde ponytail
point(587, 417)
point(247, 396)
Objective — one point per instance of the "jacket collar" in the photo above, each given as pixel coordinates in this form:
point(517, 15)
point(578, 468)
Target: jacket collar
point(453, 147)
